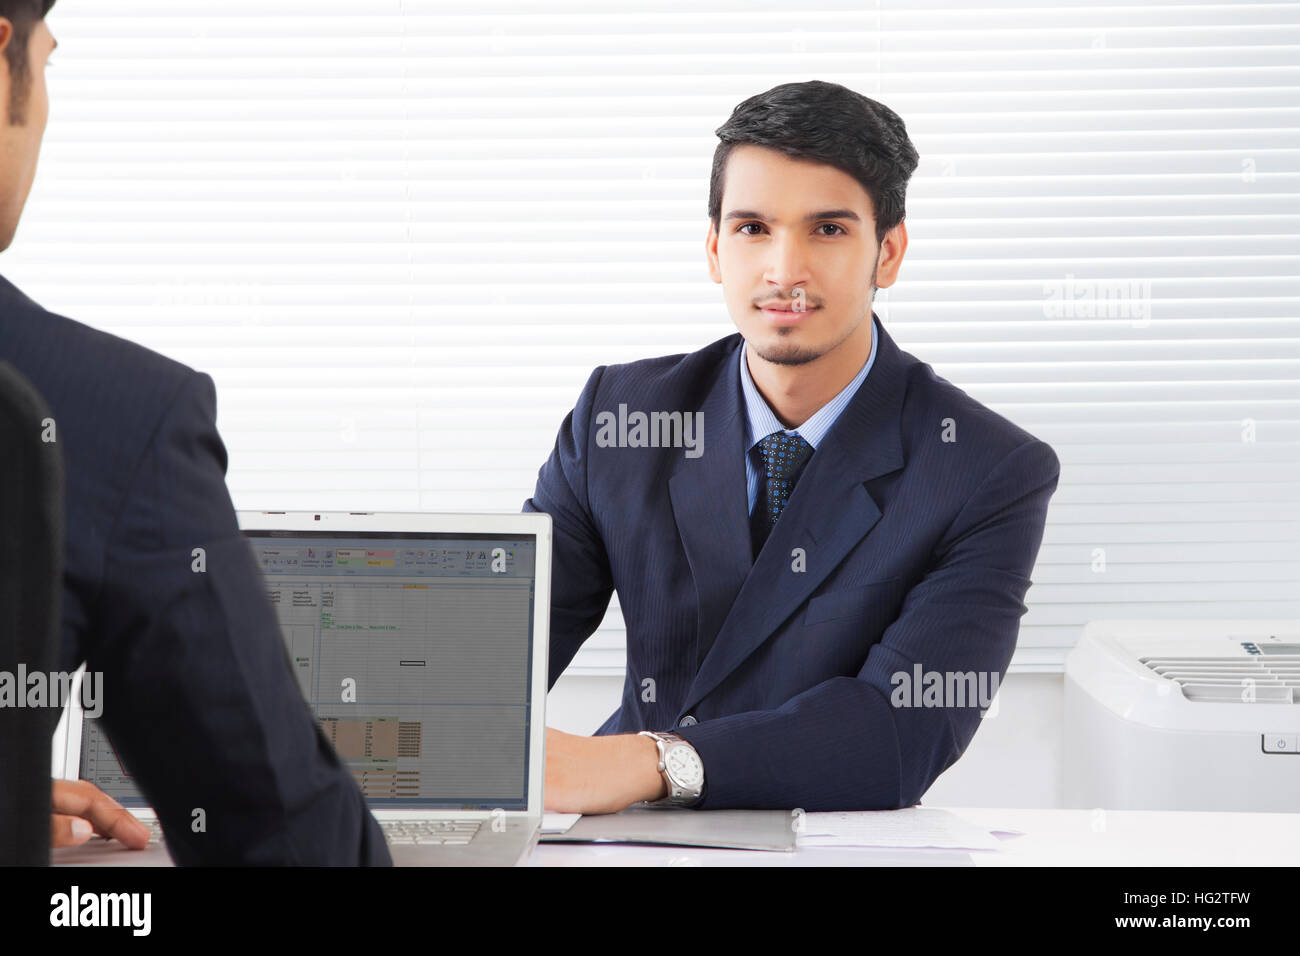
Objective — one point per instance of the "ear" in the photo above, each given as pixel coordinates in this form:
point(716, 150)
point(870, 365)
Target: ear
point(711, 251)
point(890, 258)
point(6, 37)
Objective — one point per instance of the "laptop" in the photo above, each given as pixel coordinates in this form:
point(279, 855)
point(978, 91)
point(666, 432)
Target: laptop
point(442, 622)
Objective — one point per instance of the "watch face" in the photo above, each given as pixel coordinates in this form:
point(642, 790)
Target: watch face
point(685, 766)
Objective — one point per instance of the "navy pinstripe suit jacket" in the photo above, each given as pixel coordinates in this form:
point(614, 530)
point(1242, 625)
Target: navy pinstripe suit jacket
point(919, 519)
point(198, 695)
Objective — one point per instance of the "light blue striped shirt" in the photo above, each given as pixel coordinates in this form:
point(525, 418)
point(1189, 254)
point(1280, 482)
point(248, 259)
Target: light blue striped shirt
point(762, 421)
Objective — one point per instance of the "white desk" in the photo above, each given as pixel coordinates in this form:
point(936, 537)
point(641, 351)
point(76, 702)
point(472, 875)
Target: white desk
point(1050, 838)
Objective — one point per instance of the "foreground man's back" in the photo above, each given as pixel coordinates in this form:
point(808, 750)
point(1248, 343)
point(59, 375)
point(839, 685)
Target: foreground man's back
point(161, 595)
point(198, 695)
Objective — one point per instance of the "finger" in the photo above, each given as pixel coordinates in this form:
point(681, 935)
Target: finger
point(83, 799)
point(68, 831)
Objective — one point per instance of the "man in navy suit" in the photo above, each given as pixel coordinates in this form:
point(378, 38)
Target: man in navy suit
point(821, 548)
point(161, 593)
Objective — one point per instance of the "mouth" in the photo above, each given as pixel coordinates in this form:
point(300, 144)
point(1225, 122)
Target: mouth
point(786, 315)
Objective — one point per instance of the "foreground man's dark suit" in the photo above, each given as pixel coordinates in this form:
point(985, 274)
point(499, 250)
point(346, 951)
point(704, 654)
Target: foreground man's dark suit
point(199, 698)
point(917, 551)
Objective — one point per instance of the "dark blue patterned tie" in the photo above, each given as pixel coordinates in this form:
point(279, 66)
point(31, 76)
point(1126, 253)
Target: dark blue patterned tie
point(783, 457)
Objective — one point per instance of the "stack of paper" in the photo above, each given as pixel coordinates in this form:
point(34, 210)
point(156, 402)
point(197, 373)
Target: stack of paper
point(912, 827)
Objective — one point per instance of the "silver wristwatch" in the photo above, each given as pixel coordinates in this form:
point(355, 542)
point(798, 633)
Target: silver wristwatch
point(681, 767)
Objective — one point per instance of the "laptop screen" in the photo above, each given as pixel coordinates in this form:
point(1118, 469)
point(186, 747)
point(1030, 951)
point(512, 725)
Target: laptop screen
point(414, 651)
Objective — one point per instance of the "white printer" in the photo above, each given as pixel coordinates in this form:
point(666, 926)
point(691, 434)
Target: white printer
point(1184, 715)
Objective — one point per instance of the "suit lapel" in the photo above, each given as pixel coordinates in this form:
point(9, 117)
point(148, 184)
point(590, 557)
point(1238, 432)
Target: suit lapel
point(829, 512)
point(709, 501)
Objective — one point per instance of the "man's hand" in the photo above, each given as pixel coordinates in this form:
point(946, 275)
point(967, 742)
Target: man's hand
point(79, 808)
point(600, 774)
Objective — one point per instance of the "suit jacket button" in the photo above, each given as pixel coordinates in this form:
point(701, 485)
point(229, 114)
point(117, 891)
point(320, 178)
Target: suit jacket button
point(687, 721)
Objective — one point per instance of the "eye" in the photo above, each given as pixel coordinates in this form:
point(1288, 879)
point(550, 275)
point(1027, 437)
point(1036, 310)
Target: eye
point(746, 225)
point(833, 226)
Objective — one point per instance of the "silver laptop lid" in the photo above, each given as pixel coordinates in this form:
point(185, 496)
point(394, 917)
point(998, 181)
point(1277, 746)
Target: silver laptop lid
point(420, 642)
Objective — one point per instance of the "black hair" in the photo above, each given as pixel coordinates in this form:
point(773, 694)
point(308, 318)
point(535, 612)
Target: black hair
point(23, 14)
point(825, 123)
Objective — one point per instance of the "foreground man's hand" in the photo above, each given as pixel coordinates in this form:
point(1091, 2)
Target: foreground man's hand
point(600, 774)
point(79, 809)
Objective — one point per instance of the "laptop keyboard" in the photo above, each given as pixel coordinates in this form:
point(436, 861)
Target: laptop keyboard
point(429, 832)
point(397, 832)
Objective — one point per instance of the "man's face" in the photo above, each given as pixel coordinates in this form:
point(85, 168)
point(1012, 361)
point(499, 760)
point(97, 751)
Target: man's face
point(22, 130)
point(796, 254)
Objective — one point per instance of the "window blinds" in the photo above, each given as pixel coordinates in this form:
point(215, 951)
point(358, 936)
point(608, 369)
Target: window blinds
point(399, 235)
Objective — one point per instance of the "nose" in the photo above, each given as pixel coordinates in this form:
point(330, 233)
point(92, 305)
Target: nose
point(787, 266)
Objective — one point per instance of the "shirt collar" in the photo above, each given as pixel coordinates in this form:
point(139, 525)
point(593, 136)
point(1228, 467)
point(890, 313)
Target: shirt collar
point(762, 421)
